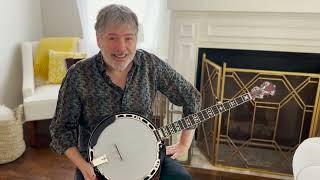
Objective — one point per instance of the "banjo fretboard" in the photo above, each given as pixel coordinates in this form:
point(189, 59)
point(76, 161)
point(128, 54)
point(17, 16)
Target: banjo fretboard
point(201, 116)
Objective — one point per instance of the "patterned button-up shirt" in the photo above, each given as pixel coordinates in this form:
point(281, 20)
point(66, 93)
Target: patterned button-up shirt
point(87, 95)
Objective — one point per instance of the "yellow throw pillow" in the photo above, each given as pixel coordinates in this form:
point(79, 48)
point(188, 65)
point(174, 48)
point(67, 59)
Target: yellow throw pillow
point(57, 64)
point(54, 43)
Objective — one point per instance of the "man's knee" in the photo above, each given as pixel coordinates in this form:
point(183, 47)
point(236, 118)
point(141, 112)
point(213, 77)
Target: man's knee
point(171, 169)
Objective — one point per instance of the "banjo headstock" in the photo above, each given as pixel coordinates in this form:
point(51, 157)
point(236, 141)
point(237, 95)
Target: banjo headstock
point(266, 88)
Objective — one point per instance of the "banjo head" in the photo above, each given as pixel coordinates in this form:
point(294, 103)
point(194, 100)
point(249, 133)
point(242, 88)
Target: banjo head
point(124, 146)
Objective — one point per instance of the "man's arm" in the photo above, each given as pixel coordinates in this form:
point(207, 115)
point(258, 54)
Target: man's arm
point(187, 137)
point(65, 123)
point(181, 93)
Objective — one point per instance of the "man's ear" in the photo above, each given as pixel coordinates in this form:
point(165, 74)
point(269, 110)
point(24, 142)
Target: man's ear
point(98, 40)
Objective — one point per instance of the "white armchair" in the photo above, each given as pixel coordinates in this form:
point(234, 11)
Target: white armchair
point(39, 101)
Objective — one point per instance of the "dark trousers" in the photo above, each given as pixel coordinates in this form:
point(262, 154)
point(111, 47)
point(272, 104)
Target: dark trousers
point(170, 170)
point(173, 170)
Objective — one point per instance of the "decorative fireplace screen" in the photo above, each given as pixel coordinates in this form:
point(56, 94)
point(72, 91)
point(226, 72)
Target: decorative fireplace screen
point(261, 135)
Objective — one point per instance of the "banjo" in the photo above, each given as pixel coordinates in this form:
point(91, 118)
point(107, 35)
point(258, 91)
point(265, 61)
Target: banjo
point(118, 155)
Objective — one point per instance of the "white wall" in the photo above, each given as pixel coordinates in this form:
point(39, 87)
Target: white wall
point(61, 18)
point(19, 21)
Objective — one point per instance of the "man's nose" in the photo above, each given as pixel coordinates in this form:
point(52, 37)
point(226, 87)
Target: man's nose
point(121, 44)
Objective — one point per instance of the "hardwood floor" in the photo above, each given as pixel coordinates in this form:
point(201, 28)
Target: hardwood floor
point(38, 164)
point(41, 163)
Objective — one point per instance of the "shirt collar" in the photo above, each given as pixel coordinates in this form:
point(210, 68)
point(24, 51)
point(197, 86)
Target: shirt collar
point(100, 63)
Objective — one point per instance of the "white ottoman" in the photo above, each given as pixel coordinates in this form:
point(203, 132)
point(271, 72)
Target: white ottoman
point(306, 160)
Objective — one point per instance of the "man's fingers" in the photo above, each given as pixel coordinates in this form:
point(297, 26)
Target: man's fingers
point(174, 156)
point(91, 175)
point(170, 147)
point(169, 152)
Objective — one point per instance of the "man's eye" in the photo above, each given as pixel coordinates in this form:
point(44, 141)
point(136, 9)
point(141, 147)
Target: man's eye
point(111, 38)
point(129, 38)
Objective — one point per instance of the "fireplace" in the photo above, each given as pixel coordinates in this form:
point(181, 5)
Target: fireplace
point(250, 29)
point(262, 134)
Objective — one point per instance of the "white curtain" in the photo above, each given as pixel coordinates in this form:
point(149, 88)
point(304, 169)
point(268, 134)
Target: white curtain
point(153, 18)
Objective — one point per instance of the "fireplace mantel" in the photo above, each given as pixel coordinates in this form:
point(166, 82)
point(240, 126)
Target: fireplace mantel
point(294, 6)
point(254, 25)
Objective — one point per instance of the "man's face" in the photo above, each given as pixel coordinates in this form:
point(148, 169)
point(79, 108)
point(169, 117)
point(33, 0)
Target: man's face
point(118, 46)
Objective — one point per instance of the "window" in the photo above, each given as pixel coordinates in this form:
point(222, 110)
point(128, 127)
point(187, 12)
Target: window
point(153, 19)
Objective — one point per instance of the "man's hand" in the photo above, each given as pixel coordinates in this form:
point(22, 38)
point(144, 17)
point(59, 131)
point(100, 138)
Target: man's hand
point(88, 171)
point(177, 150)
point(182, 146)
point(86, 168)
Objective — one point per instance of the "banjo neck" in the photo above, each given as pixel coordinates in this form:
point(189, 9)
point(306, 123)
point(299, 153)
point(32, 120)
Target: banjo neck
point(201, 116)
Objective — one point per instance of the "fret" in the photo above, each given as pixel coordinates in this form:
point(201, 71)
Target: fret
point(211, 109)
point(184, 123)
point(226, 105)
point(242, 99)
point(239, 100)
point(177, 126)
point(168, 130)
point(215, 109)
point(233, 103)
point(220, 108)
point(181, 124)
point(202, 115)
point(164, 131)
point(171, 128)
point(246, 97)
point(230, 105)
point(196, 118)
point(191, 120)
point(205, 115)
point(188, 122)
point(209, 112)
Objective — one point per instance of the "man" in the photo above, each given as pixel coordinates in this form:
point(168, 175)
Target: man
point(118, 79)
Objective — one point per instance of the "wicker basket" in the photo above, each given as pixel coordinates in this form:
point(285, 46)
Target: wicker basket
point(12, 144)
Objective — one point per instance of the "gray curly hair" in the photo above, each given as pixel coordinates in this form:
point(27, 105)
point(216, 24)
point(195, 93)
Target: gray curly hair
point(115, 14)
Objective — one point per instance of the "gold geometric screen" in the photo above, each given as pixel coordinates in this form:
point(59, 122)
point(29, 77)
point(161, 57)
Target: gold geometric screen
point(210, 89)
point(261, 134)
